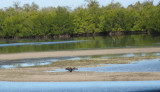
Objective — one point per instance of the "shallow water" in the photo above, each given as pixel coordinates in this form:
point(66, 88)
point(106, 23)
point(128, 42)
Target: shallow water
point(108, 86)
point(37, 43)
point(47, 61)
point(97, 42)
point(126, 55)
point(34, 62)
point(152, 65)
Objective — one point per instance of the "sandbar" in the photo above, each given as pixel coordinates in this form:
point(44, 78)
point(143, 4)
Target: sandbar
point(73, 53)
point(38, 75)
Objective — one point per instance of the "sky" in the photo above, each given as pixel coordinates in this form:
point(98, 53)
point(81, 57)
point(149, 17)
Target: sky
point(71, 3)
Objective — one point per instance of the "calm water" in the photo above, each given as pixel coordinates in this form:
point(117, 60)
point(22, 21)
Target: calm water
point(151, 65)
point(110, 86)
point(98, 42)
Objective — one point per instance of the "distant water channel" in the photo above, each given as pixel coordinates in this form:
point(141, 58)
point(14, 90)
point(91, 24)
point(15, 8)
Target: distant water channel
point(109, 86)
point(78, 43)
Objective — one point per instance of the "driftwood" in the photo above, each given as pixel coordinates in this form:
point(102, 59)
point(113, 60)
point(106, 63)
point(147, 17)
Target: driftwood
point(71, 69)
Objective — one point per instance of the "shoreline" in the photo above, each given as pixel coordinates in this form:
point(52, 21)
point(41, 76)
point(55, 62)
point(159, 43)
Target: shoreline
point(74, 53)
point(110, 33)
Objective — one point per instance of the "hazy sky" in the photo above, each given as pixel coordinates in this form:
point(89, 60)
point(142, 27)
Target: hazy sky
point(71, 3)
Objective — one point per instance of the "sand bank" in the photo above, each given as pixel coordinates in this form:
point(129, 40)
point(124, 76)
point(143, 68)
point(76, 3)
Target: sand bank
point(38, 75)
point(73, 53)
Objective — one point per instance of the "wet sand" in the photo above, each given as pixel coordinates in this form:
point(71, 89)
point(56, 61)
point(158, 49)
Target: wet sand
point(73, 53)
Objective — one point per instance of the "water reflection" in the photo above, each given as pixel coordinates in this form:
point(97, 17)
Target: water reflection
point(98, 42)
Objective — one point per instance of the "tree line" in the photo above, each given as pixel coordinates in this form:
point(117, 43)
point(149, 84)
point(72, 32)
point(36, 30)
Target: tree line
point(31, 21)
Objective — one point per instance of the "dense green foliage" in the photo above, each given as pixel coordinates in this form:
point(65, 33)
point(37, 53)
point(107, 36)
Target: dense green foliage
point(30, 21)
